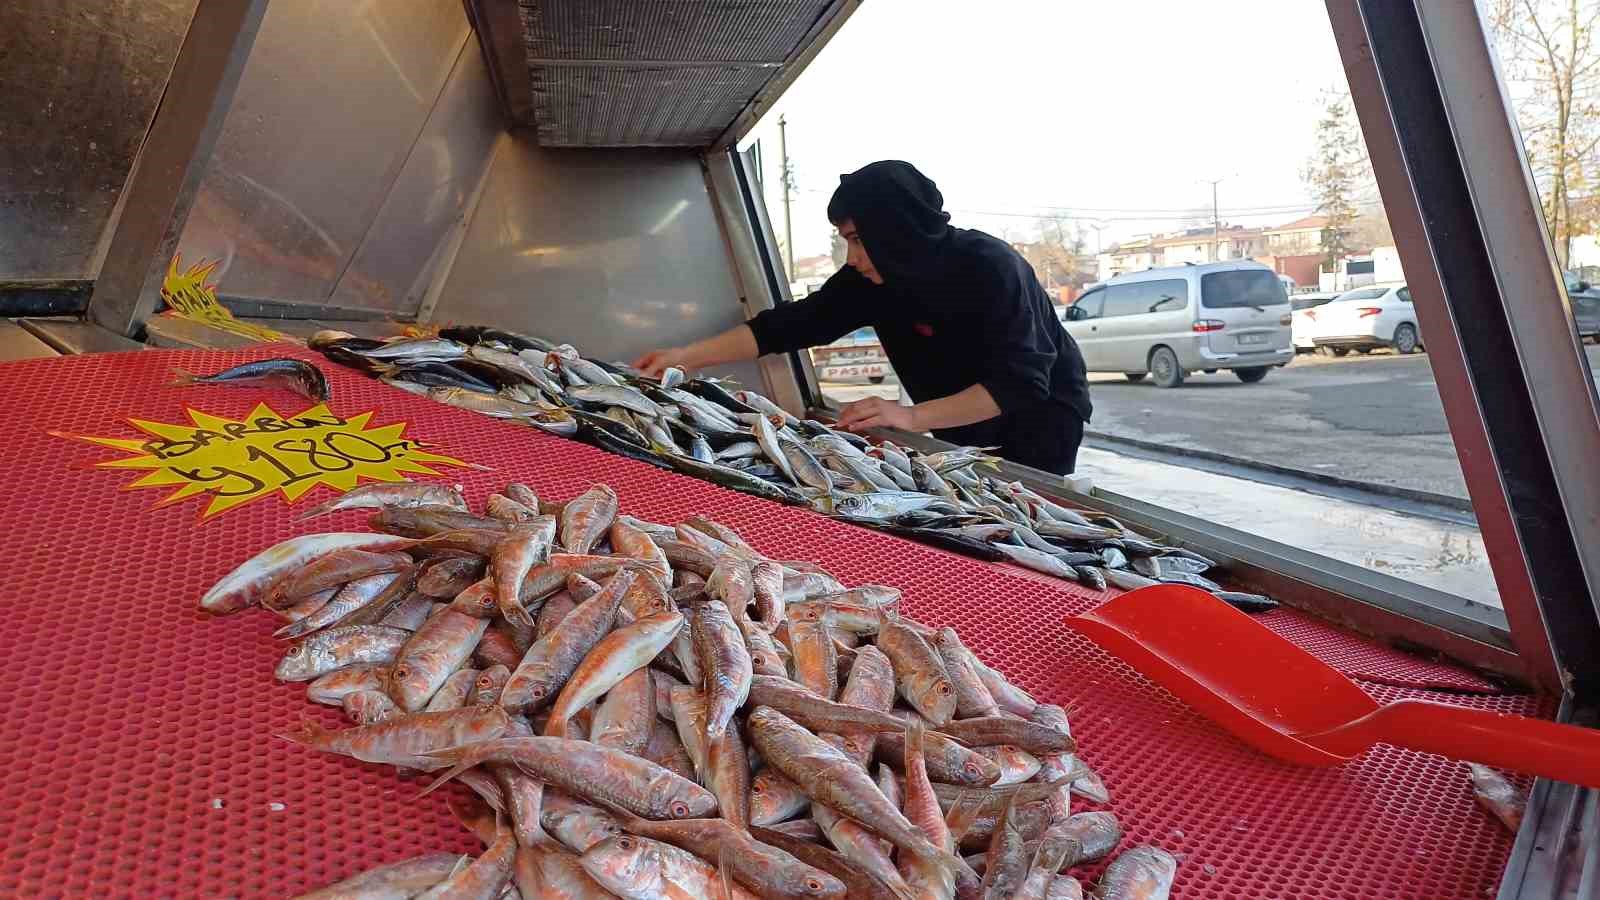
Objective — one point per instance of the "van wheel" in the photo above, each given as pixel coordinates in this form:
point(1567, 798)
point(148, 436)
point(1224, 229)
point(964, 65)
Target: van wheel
point(1405, 338)
point(1134, 377)
point(1251, 374)
point(1164, 367)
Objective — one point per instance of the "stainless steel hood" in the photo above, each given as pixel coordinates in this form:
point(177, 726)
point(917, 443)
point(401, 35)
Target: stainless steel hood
point(647, 73)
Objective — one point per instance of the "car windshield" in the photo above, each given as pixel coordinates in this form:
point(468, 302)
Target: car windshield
point(1362, 294)
point(1241, 287)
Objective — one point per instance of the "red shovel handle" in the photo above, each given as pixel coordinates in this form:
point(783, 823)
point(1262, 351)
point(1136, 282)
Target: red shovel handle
point(1532, 746)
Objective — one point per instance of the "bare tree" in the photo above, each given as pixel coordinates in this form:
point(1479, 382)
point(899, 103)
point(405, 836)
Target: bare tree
point(1549, 53)
point(1336, 174)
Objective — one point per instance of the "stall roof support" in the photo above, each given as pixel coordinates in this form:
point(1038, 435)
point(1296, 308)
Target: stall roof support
point(172, 162)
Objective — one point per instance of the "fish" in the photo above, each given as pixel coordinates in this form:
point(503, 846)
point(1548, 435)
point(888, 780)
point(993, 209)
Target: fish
point(725, 668)
point(408, 739)
point(331, 688)
point(296, 375)
point(775, 799)
point(368, 707)
point(578, 826)
point(816, 663)
point(545, 668)
point(485, 877)
point(625, 718)
point(858, 883)
point(609, 778)
point(406, 495)
point(492, 405)
point(832, 779)
point(1031, 737)
point(636, 868)
point(352, 596)
point(616, 395)
point(586, 518)
point(431, 655)
point(332, 570)
point(445, 578)
point(405, 878)
point(1016, 766)
point(920, 677)
point(1497, 795)
point(626, 540)
point(248, 584)
point(972, 697)
point(1142, 873)
point(490, 682)
point(863, 848)
point(615, 657)
point(921, 807)
point(507, 510)
point(337, 648)
point(525, 546)
point(762, 868)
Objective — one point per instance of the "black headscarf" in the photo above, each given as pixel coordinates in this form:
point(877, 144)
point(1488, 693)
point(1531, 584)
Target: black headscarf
point(899, 214)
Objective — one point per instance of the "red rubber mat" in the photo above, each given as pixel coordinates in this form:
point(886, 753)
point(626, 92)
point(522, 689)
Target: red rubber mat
point(138, 746)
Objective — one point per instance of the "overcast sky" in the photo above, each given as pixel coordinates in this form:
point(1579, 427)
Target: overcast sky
point(1121, 111)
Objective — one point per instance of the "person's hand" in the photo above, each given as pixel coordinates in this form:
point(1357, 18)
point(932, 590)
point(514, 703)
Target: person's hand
point(655, 362)
point(876, 412)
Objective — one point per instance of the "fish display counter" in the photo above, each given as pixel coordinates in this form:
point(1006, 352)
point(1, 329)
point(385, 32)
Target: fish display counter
point(147, 750)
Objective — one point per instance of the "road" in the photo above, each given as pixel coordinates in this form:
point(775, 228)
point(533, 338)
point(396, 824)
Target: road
point(1372, 419)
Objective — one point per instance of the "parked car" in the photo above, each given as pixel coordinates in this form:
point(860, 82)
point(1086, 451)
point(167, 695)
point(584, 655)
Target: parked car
point(1368, 318)
point(1585, 299)
point(856, 356)
point(1305, 320)
point(1171, 321)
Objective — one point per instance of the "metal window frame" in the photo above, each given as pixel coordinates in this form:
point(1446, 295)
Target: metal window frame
point(1512, 377)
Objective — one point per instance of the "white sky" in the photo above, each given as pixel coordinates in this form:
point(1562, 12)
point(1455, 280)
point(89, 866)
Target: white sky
point(1016, 105)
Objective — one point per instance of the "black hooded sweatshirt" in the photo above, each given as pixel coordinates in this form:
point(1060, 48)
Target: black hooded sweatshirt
point(957, 307)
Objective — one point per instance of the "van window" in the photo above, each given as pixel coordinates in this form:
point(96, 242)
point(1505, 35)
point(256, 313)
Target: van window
point(1090, 303)
point(1361, 267)
point(1141, 297)
point(1241, 287)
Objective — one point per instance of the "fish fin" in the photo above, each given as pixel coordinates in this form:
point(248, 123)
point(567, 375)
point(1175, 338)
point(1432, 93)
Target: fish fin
point(457, 758)
point(183, 378)
point(916, 734)
point(725, 870)
point(309, 734)
point(293, 630)
point(962, 815)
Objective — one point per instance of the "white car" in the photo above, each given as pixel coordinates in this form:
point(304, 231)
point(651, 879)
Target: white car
point(1366, 318)
point(1305, 321)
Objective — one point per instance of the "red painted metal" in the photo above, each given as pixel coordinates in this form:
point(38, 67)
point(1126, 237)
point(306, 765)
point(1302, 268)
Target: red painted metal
point(137, 740)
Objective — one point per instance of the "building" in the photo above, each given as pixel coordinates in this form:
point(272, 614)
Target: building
point(1295, 249)
point(1203, 245)
point(1132, 256)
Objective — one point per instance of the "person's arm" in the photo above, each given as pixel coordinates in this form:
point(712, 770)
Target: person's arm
point(836, 309)
point(975, 404)
point(737, 344)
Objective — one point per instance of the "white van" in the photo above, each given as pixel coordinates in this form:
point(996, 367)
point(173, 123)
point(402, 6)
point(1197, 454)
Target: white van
point(1172, 321)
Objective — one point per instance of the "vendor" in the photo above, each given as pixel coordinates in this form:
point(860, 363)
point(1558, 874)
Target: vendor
point(969, 331)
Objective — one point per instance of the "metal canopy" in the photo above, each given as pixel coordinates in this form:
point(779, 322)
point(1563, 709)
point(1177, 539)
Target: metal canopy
point(647, 73)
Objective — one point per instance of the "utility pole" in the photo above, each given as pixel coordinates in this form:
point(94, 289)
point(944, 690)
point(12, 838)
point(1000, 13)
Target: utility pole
point(1216, 223)
point(788, 224)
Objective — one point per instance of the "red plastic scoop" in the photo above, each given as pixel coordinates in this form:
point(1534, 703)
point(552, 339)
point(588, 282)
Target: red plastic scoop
point(1285, 702)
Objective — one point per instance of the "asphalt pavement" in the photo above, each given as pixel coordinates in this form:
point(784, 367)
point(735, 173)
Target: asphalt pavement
point(1373, 419)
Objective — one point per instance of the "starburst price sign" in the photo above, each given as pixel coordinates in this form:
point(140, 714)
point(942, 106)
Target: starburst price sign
point(237, 461)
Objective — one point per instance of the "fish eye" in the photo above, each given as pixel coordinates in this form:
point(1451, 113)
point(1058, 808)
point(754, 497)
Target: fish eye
point(944, 688)
point(297, 650)
point(538, 692)
point(625, 842)
point(400, 672)
point(971, 768)
point(813, 884)
point(679, 809)
point(758, 787)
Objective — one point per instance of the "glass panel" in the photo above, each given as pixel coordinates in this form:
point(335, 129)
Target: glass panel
point(1264, 201)
point(80, 79)
point(1549, 54)
point(1250, 287)
point(331, 100)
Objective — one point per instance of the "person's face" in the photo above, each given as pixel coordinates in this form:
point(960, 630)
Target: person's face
point(856, 258)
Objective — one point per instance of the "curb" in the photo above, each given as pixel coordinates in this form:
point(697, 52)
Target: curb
point(1459, 504)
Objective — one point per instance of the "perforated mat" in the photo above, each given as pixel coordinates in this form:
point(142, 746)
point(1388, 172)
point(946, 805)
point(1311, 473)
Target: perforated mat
point(137, 740)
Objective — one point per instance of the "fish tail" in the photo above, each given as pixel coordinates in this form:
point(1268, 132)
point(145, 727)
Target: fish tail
point(309, 734)
point(725, 870)
point(321, 509)
point(916, 734)
point(962, 815)
point(182, 377)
